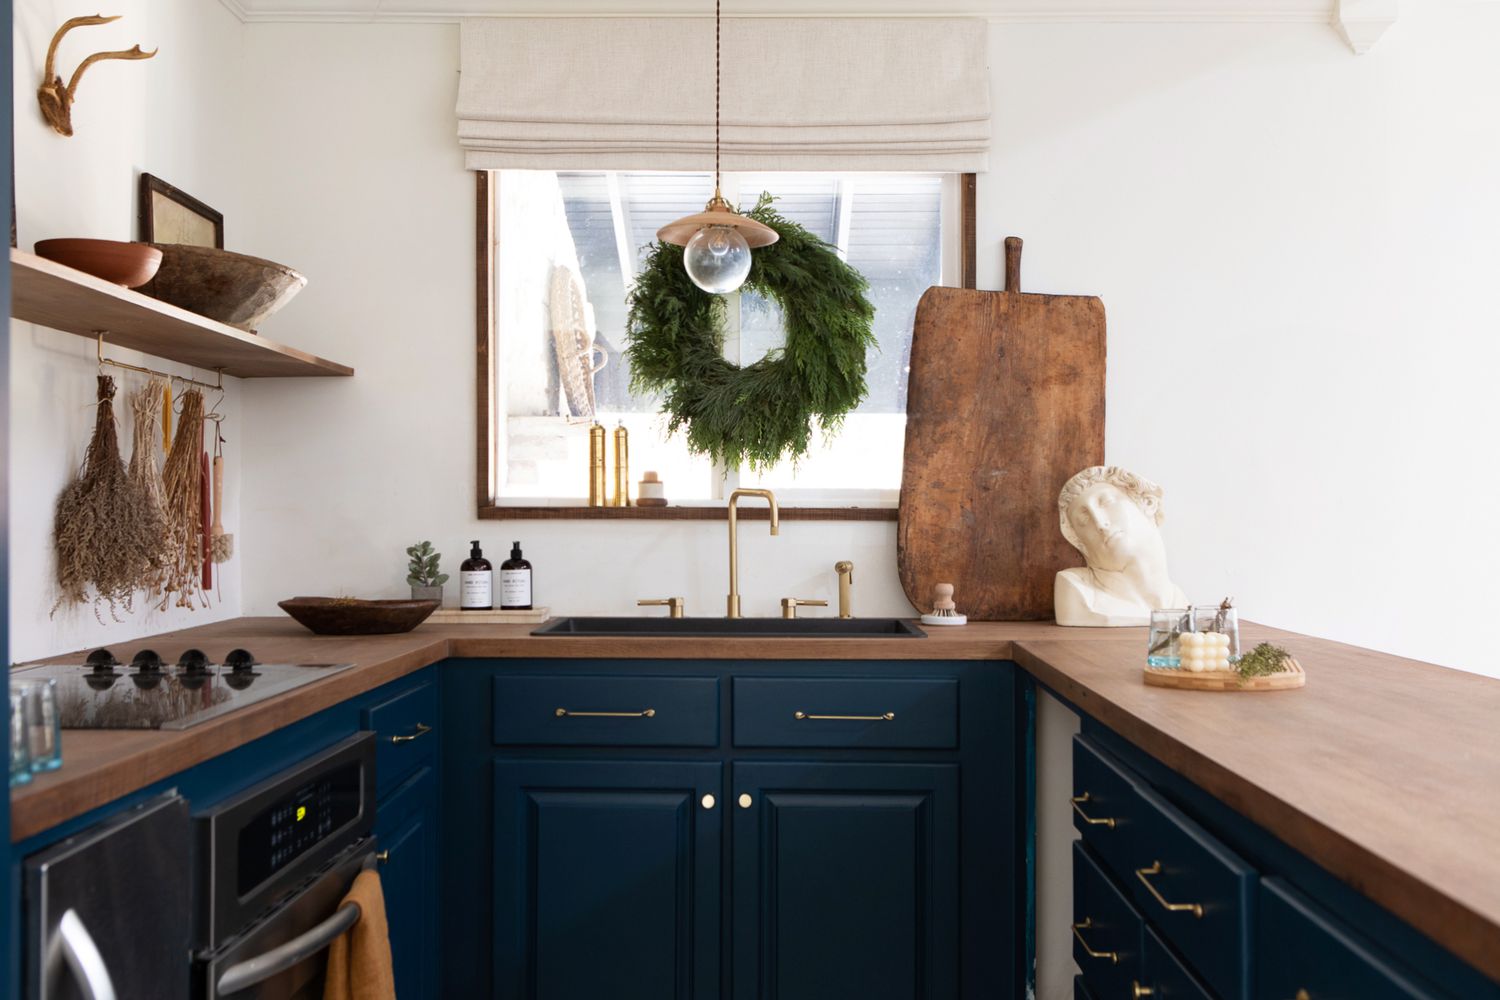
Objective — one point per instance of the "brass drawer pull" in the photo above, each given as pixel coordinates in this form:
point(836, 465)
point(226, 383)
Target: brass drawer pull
point(1137, 990)
point(563, 713)
point(1113, 956)
point(1196, 909)
point(422, 730)
point(1107, 823)
point(803, 716)
point(383, 857)
point(1303, 995)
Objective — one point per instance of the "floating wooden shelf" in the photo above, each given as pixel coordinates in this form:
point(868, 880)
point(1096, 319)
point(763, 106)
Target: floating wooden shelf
point(60, 297)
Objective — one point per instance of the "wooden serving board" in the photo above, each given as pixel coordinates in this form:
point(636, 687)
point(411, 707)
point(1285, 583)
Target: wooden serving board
point(455, 616)
point(1291, 676)
point(1005, 403)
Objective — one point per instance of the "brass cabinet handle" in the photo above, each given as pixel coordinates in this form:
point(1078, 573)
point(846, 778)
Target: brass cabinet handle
point(1088, 922)
point(1107, 823)
point(383, 856)
point(422, 730)
point(1137, 990)
point(1196, 909)
point(803, 716)
point(1302, 995)
point(563, 713)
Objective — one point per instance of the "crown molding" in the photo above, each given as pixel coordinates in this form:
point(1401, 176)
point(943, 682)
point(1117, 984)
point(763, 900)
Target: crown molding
point(1360, 22)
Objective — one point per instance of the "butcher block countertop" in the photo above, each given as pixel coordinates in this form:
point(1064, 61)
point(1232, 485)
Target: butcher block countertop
point(1385, 771)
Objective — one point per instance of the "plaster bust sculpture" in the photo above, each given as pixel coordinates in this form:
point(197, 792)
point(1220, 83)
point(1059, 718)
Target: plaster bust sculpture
point(1113, 516)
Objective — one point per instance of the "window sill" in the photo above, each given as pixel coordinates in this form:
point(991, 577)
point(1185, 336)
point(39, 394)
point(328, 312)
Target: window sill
point(679, 512)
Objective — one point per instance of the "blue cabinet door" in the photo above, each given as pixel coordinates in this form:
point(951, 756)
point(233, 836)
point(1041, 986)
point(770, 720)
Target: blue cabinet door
point(606, 879)
point(845, 881)
point(406, 829)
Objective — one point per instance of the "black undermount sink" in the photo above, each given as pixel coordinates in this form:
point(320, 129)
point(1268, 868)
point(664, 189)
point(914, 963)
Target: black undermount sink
point(758, 628)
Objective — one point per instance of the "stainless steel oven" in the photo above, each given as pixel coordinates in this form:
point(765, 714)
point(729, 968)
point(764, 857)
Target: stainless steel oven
point(274, 864)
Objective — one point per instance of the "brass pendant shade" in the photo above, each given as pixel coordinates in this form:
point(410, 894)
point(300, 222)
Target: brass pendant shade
point(717, 212)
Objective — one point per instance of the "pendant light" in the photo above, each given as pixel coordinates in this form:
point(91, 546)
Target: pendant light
point(717, 241)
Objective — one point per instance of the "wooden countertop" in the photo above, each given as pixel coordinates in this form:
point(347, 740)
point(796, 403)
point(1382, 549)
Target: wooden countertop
point(1385, 771)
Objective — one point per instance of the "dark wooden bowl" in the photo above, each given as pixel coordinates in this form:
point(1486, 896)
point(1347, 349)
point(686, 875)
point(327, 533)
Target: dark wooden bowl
point(128, 264)
point(232, 288)
point(347, 616)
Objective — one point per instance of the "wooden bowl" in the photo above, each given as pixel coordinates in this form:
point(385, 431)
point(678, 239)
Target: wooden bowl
point(128, 264)
point(232, 288)
point(347, 616)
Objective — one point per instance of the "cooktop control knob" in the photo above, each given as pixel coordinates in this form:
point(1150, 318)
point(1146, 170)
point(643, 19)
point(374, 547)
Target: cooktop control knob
point(193, 661)
point(147, 661)
point(240, 659)
point(102, 660)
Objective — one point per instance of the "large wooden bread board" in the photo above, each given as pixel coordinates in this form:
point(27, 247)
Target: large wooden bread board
point(1005, 402)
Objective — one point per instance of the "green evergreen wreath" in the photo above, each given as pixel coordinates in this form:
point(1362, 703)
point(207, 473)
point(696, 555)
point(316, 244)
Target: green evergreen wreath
point(762, 412)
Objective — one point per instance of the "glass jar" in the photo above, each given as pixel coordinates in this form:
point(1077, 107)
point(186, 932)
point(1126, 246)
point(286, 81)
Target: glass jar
point(1163, 645)
point(1217, 618)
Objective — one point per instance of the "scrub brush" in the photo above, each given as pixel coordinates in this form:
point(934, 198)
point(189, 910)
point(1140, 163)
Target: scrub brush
point(943, 608)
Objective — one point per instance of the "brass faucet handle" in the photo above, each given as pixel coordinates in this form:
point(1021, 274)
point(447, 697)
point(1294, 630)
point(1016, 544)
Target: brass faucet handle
point(678, 605)
point(789, 606)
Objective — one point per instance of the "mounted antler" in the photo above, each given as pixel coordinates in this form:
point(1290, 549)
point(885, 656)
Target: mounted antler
point(57, 100)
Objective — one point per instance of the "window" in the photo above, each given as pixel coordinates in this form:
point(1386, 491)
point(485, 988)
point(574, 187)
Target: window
point(568, 244)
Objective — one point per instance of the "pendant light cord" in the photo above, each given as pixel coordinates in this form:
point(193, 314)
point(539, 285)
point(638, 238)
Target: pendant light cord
point(717, 16)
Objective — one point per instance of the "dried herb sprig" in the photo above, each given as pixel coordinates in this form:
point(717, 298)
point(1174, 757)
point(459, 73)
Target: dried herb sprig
point(1262, 661)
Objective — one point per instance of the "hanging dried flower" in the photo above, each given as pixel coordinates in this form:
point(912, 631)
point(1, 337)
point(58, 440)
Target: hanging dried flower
point(146, 485)
point(184, 506)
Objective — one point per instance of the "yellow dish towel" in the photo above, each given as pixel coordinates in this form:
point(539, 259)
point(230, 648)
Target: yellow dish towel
point(359, 961)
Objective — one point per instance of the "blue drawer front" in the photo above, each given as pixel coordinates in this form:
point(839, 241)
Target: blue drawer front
point(1107, 806)
point(1197, 892)
point(1080, 990)
point(405, 736)
point(856, 712)
point(606, 711)
point(1165, 975)
point(1302, 948)
point(1106, 929)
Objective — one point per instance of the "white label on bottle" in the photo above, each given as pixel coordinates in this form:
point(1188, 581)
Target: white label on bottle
point(515, 588)
point(475, 587)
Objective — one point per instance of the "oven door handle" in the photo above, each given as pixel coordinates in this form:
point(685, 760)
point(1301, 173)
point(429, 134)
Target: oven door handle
point(243, 975)
point(74, 947)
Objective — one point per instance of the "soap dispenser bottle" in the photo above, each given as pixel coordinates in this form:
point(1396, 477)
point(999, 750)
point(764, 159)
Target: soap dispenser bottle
point(515, 581)
point(476, 581)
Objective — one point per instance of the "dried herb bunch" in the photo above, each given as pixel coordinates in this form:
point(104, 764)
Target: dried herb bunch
point(101, 536)
point(1262, 661)
point(146, 484)
point(182, 479)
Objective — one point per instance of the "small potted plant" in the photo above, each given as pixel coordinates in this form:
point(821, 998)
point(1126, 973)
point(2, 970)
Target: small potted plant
point(422, 573)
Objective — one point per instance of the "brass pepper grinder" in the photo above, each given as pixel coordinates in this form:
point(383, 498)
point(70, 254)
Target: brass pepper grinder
point(622, 466)
point(597, 495)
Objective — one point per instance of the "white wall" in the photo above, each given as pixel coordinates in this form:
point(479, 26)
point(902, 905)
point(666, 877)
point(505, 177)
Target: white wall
point(174, 116)
point(1294, 246)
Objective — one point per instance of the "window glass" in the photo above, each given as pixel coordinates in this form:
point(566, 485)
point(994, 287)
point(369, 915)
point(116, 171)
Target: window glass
point(570, 243)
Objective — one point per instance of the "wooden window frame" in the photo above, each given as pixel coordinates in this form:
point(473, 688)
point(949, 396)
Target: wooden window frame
point(486, 426)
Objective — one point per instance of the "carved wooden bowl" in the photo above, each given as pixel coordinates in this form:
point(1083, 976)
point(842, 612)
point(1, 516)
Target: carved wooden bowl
point(347, 616)
point(127, 264)
point(232, 288)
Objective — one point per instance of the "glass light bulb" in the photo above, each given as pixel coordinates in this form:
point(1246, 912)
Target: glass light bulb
point(717, 258)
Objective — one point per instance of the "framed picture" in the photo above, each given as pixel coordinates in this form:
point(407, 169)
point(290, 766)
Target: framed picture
point(172, 216)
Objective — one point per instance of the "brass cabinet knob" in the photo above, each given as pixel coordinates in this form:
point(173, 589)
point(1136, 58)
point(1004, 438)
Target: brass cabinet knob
point(709, 801)
point(1137, 991)
point(745, 800)
point(383, 856)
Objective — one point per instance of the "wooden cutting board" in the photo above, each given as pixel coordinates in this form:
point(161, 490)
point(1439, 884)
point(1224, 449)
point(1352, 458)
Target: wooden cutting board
point(1005, 402)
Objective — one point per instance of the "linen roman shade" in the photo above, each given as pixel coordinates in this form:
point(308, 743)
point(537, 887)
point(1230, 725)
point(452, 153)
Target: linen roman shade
point(798, 94)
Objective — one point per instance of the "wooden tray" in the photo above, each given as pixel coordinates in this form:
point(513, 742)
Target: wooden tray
point(454, 616)
point(1226, 680)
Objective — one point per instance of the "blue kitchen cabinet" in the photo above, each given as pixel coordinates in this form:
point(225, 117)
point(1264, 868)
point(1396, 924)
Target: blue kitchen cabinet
point(406, 831)
point(879, 854)
point(606, 879)
point(846, 881)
